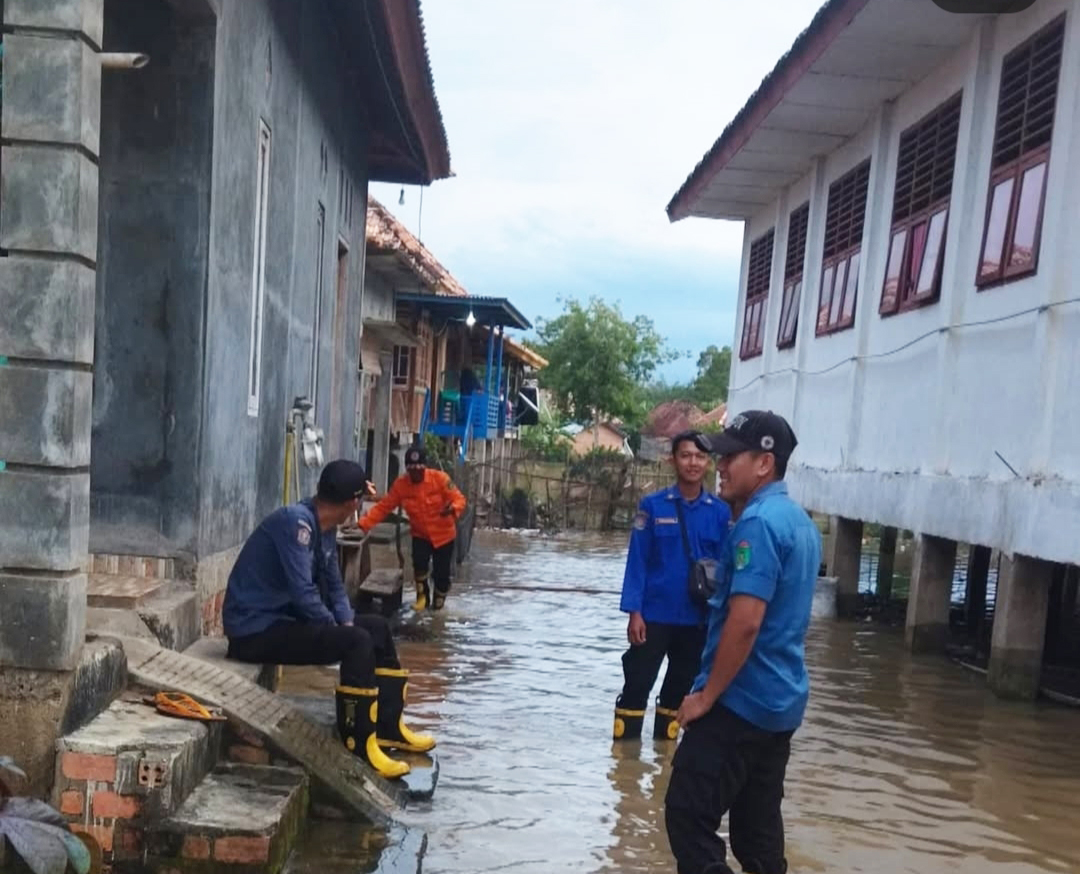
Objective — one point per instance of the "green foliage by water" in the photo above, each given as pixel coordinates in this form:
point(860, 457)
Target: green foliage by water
point(598, 360)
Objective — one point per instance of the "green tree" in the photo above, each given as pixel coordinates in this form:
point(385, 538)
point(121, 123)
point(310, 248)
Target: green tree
point(713, 374)
point(598, 361)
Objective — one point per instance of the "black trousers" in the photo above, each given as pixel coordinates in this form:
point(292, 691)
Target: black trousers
point(682, 645)
point(361, 647)
point(726, 765)
point(441, 560)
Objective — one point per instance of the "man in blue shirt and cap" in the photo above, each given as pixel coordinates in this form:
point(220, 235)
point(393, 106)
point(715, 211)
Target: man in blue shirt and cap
point(752, 690)
point(670, 527)
point(285, 604)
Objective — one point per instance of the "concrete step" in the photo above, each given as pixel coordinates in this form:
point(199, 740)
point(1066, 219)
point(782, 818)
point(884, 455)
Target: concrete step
point(240, 818)
point(120, 591)
point(212, 650)
point(129, 767)
point(421, 780)
point(172, 614)
point(169, 616)
point(346, 848)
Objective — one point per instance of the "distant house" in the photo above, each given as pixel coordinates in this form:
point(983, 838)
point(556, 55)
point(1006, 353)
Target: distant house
point(662, 423)
point(605, 435)
point(433, 358)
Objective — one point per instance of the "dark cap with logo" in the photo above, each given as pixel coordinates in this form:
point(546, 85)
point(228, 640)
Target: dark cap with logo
point(696, 437)
point(756, 431)
point(341, 481)
point(415, 456)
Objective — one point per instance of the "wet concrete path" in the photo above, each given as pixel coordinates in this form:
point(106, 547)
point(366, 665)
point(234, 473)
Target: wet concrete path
point(903, 765)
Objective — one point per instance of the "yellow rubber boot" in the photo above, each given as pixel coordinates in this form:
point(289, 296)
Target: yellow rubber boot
point(664, 725)
point(421, 593)
point(357, 716)
point(391, 729)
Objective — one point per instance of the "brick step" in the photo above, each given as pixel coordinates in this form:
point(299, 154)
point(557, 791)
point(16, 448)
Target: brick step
point(240, 818)
point(128, 767)
point(168, 614)
point(338, 847)
point(120, 591)
point(421, 780)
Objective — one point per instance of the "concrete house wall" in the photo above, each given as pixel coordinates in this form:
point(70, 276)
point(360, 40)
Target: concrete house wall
point(180, 466)
point(901, 419)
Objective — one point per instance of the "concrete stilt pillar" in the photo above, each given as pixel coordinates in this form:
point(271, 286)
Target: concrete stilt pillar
point(1016, 647)
point(380, 423)
point(886, 563)
point(48, 225)
point(843, 562)
point(978, 572)
point(927, 624)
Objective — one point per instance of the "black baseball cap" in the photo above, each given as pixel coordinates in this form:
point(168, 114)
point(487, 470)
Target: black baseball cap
point(696, 437)
point(341, 481)
point(415, 455)
point(756, 431)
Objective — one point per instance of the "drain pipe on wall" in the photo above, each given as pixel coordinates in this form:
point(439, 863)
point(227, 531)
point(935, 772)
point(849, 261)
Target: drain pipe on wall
point(123, 60)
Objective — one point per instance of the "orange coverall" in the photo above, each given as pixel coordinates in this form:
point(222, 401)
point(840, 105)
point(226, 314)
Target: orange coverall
point(424, 503)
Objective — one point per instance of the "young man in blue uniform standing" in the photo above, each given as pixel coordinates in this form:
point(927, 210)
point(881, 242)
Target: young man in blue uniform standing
point(663, 621)
point(752, 690)
point(285, 604)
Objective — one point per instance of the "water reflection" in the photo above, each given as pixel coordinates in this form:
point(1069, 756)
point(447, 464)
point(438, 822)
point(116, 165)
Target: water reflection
point(902, 765)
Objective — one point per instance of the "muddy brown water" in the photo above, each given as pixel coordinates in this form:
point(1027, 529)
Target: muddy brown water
point(902, 765)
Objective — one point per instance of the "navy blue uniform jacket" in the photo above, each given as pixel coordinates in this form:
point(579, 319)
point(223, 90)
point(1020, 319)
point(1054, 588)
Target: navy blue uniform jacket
point(656, 565)
point(287, 571)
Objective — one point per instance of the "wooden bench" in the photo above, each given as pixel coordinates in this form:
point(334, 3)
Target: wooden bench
point(379, 590)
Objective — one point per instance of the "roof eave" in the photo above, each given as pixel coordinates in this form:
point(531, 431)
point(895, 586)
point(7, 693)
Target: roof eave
point(406, 41)
point(829, 22)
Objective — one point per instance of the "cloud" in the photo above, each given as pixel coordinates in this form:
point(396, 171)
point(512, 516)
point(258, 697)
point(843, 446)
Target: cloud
point(571, 125)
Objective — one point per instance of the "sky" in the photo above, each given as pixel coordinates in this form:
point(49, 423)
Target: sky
point(571, 125)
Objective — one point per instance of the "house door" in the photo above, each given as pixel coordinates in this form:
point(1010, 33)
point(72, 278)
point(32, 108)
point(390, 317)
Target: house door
point(341, 359)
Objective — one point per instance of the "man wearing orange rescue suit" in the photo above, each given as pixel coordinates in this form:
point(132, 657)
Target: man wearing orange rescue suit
point(433, 504)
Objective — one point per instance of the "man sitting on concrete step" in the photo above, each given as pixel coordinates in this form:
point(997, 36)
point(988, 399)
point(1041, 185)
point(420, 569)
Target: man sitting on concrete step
point(286, 604)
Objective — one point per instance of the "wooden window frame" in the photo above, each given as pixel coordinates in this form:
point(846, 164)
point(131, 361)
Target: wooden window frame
point(839, 263)
point(791, 299)
point(756, 310)
point(902, 288)
point(399, 376)
point(1014, 170)
point(258, 267)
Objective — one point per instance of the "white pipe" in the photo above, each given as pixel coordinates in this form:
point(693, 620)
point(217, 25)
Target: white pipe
point(123, 60)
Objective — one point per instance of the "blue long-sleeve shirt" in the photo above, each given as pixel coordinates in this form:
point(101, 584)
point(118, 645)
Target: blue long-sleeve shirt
point(286, 571)
point(655, 581)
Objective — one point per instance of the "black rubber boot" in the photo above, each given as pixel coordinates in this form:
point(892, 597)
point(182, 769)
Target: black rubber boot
point(628, 722)
point(357, 715)
point(392, 731)
point(664, 725)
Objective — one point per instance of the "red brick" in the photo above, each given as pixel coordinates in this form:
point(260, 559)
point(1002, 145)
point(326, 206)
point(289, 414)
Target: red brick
point(242, 850)
point(83, 766)
point(109, 805)
point(102, 834)
point(72, 801)
point(127, 844)
point(195, 847)
point(248, 755)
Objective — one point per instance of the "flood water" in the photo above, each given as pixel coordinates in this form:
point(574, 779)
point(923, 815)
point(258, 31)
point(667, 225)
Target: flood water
point(902, 764)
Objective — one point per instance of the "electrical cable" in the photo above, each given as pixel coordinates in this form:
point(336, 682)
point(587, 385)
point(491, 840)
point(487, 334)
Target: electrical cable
point(876, 355)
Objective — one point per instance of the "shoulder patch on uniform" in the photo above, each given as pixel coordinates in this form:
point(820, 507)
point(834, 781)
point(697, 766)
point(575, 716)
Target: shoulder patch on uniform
point(742, 554)
point(641, 519)
point(303, 534)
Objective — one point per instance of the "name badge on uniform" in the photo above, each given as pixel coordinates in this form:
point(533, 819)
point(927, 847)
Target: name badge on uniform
point(667, 520)
point(303, 534)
